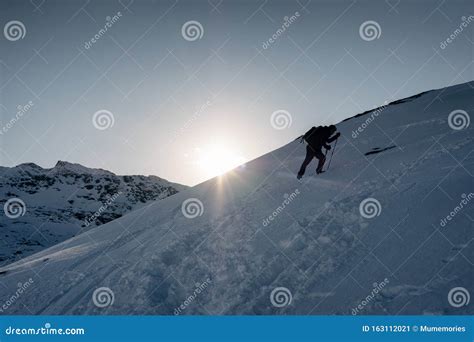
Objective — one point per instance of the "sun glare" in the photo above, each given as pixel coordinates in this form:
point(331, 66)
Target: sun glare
point(217, 159)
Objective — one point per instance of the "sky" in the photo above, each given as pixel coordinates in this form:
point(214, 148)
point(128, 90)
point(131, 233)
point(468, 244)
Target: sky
point(187, 89)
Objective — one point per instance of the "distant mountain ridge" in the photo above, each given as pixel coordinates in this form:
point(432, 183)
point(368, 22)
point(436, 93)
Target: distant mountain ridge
point(368, 237)
point(56, 203)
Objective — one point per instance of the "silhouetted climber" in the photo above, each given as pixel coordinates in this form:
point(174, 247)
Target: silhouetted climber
point(317, 137)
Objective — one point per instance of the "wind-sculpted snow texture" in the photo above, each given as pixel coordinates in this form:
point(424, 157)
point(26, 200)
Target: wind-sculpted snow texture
point(363, 238)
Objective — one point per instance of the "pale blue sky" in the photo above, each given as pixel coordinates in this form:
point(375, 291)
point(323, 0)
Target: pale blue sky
point(171, 99)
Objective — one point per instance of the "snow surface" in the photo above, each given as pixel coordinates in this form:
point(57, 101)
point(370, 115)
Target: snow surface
point(58, 202)
point(318, 246)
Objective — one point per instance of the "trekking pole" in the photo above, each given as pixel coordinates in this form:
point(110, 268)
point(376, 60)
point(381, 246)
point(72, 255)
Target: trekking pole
point(332, 153)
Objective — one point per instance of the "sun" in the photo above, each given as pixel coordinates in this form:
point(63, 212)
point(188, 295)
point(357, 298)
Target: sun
point(217, 159)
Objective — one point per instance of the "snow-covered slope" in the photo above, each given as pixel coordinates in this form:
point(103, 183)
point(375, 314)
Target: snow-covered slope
point(319, 248)
point(48, 206)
